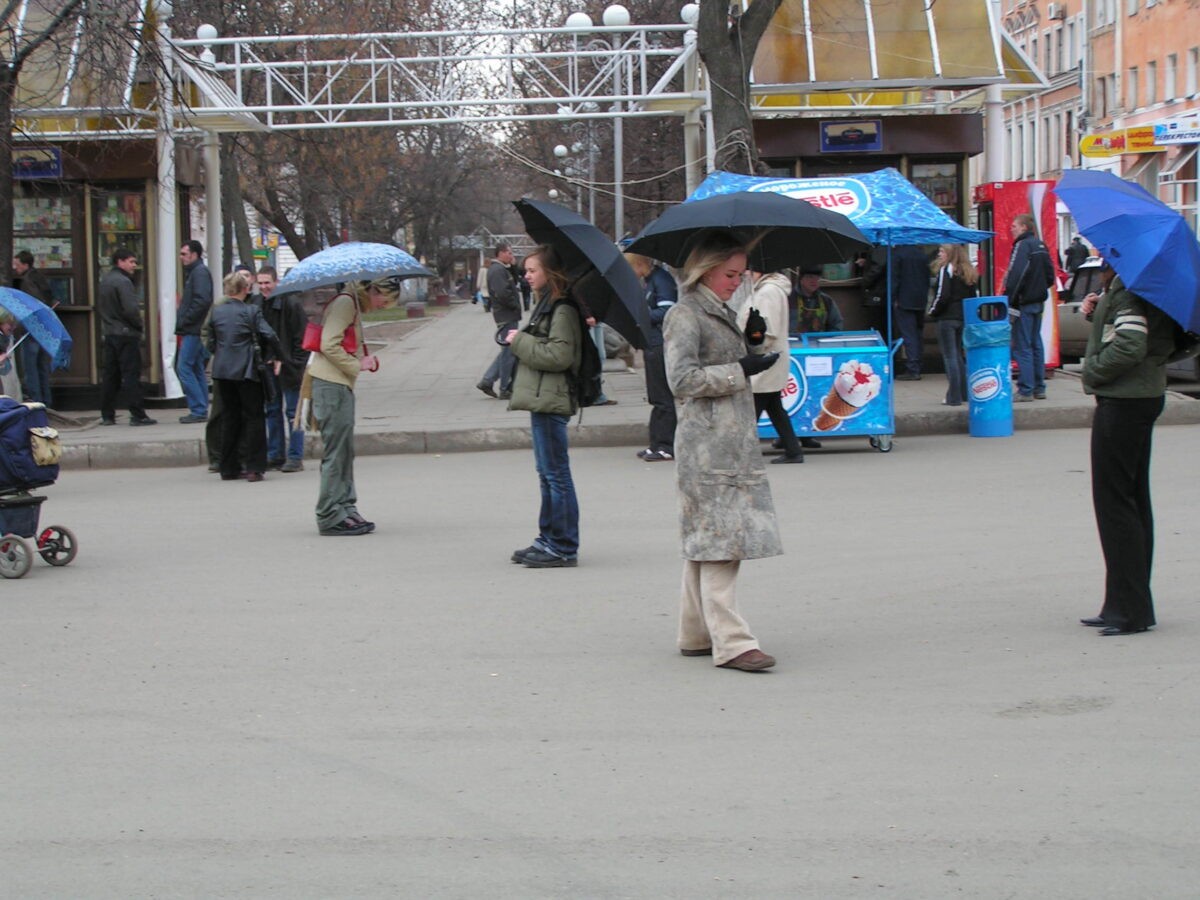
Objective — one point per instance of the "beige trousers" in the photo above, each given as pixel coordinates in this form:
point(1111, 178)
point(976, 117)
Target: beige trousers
point(708, 615)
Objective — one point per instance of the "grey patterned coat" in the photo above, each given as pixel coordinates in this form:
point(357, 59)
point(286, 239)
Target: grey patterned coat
point(725, 507)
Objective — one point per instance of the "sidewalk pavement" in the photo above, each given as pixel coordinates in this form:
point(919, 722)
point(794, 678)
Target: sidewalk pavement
point(423, 399)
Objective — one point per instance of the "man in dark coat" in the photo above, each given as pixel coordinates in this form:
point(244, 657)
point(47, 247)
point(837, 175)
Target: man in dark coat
point(285, 314)
point(1026, 285)
point(121, 327)
point(910, 297)
point(1075, 254)
point(194, 304)
point(506, 311)
point(33, 363)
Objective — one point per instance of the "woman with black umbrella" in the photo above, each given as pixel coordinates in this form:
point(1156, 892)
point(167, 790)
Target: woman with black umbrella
point(725, 509)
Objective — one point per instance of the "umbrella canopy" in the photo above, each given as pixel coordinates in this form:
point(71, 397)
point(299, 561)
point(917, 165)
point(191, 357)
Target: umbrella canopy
point(353, 261)
point(600, 276)
point(41, 323)
point(1149, 244)
point(780, 232)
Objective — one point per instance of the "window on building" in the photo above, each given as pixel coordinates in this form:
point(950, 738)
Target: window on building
point(1069, 59)
point(1101, 97)
point(1193, 61)
point(1061, 64)
point(1131, 6)
point(1047, 160)
point(1049, 48)
point(1033, 51)
point(1151, 83)
point(1113, 100)
point(1169, 76)
point(1131, 88)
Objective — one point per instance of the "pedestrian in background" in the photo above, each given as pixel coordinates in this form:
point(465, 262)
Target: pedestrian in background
point(194, 304)
point(1125, 369)
point(121, 329)
point(726, 513)
point(1026, 285)
point(661, 293)
point(549, 353)
point(33, 362)
point(910, 297)
point(505, 304)
point(285, 314)
point(241, 344)
point(770, 303)
point(957, 279)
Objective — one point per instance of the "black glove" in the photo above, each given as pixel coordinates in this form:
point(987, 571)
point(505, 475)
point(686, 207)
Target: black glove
point(756, 328)
point(752, 365)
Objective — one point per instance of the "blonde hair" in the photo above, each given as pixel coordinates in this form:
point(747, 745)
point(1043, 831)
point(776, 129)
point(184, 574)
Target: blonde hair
point(956, 256)
point(639, 263)
point(713, 249)
point(237, 283)
point(387, 287)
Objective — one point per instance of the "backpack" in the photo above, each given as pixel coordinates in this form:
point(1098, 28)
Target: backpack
point(586, 384)
point(1187, 343)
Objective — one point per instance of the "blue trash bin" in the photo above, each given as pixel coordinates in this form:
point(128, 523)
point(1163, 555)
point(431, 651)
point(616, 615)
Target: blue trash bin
point(987, 337)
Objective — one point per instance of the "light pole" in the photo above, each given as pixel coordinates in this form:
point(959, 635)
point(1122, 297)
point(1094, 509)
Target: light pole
point(573, 157)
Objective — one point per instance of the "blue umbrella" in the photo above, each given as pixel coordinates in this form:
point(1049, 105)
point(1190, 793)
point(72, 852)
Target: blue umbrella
point(42, 324)
point(1148, 244)
point(353, 261)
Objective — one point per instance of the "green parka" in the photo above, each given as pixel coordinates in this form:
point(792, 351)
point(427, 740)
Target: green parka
point(548, 350)
point(1128, 347)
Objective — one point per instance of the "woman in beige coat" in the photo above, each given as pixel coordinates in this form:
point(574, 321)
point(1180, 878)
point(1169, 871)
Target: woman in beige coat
point(725, 508)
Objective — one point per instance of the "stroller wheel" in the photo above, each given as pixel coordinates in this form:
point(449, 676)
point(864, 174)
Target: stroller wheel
point(57, 545)
point(15, 558)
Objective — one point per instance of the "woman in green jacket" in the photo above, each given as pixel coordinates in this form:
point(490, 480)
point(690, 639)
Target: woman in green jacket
point(549, 352)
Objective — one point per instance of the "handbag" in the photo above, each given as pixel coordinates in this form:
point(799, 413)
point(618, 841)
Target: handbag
point(312, 339)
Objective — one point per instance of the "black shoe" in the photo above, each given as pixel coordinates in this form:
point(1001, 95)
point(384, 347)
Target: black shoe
point(108, 421)
point(505, 395)
point(145, 420)
point(518, 556)
point(787, 459)
point(908, 376)
point(344, 528)
point(1092, 622)
point(189, 419)
point(355, 517)
point(810, 443)
point(1114, 631)
point(540, 559)
point(274, 463)
point(486, 388)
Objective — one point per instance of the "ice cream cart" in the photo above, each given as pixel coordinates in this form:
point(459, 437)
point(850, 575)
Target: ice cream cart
point(839, 385)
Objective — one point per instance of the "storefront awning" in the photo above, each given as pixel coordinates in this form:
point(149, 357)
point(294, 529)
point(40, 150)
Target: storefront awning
point(883, 53)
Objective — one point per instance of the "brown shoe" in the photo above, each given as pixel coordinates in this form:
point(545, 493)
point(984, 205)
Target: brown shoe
point(750, 661)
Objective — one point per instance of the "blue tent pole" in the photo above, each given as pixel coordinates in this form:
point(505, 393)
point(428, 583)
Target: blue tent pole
point(888, 301)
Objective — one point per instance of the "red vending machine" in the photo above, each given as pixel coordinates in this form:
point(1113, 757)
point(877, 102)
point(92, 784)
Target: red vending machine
point(996, 204)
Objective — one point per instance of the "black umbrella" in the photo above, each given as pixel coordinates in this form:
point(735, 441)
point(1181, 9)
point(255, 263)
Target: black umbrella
point(599, 274)
point(780, 231)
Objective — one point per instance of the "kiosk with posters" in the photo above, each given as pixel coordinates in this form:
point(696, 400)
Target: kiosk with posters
point(891, 212)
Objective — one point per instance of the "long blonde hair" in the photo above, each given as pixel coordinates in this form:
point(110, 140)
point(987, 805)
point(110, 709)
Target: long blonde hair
point(388, 287)
point(713, 249)
point(956, 256)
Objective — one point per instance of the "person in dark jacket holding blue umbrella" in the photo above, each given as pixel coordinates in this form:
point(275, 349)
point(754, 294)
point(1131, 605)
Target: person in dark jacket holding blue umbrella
point(661, 294)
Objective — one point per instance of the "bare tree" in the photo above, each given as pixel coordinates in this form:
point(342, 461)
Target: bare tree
point(727, 42)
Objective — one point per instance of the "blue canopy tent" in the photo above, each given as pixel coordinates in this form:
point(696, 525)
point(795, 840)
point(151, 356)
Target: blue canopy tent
point(885, 206)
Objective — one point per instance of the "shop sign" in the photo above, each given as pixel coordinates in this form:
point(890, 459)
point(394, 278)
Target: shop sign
point(37, 162)
point(847, 196)
point(1123, 140)
point(856, 136)
point(1177, 131)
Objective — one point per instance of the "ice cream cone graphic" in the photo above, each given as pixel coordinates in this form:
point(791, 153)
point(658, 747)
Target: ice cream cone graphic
point(854, 386)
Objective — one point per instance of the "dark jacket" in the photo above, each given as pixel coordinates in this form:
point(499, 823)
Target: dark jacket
point(1128, 346)
point(285, 314)
point(661, 294)
point(34, 284)
point(503, 295)
point(949, 294)
point(196, 300)
point(117, 300)
point(1030, 272)
point(910, 278)
point(816, 313)
point(235, 327)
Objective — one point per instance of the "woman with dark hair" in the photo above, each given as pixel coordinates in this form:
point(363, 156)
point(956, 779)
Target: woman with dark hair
point(238, 338)
point(957, 279)
point(549, 353)
point(725, 508)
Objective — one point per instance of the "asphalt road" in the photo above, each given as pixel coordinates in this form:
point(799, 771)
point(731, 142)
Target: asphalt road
point(213, 701)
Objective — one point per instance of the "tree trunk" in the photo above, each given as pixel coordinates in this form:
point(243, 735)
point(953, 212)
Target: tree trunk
point(8, 87)
point(235, 207)
point(727, 46)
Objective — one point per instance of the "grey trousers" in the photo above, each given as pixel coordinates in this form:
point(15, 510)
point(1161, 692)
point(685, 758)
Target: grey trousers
point(333, 408)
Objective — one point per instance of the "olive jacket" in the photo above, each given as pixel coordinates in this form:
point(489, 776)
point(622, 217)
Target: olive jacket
point(549, 351)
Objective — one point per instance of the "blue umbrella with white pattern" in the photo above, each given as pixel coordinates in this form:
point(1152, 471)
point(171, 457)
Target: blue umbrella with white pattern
point(352, 261)
point(40, 323)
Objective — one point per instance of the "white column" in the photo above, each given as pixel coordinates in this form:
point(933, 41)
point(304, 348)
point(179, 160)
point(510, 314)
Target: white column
point(214, 236)
point(165, 238)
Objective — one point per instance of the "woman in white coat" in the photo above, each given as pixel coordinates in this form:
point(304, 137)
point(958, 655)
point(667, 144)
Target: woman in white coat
point(725, 509)
point(770, 300)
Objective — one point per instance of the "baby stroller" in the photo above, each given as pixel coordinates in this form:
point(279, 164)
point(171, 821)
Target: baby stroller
point(29, 454)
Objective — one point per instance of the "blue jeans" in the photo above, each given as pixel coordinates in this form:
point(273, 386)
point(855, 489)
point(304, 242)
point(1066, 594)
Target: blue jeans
point(558, 521)
point(910, 322)
point(190, 369)
point(1028, 351)
point(283, 403)
point(33, 364)
point(949, 335)
point(597, 331)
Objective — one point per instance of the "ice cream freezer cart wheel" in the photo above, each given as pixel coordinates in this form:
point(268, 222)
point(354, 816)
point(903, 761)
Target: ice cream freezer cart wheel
point(15, 556)
point(882, 443)
point(57, 545)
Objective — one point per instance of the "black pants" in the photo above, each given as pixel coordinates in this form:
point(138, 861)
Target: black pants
point(1121, 437)
point(772, 403)
point(122, 375)
point(658, 392)
point(242, 424)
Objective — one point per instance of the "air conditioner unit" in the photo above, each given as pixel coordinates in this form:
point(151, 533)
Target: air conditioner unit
point(1056, 10)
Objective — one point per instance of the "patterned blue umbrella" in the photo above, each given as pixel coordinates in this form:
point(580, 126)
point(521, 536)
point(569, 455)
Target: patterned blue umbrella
point(42, 324)
point(353, 261)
